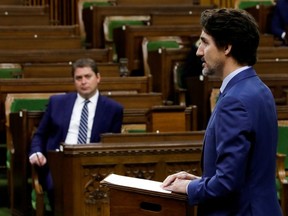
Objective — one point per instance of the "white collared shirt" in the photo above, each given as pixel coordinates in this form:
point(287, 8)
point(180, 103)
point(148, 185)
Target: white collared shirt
point(72, 134)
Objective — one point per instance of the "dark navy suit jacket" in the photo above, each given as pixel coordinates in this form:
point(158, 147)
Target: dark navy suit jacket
point(239, 153)
point(280, 18)
point(54, 126)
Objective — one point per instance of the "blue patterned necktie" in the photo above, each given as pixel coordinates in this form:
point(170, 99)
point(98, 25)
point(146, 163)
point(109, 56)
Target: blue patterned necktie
point(83, 127)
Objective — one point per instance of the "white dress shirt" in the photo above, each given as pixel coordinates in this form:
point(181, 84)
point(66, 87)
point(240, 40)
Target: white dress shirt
point(72, 134)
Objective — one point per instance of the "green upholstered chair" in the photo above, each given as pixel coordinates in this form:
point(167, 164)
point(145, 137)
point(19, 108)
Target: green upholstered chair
point(31, 104)
point(15, 106)
point(179, 86)
point(86, 4)
point(112, 22)
point(158, 43)
point(15, 103)
point(282, 167)
point(243, 4)
point(8, 71)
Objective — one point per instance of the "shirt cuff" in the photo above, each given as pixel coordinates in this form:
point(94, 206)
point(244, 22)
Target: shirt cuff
point(283, 35)
point(36, 153)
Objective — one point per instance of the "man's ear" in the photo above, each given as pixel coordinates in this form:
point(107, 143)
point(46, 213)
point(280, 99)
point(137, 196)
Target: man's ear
point(227, 49)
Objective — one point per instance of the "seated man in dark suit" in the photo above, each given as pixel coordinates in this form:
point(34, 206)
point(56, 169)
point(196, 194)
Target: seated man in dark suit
point(279, 22)
point(63, 120)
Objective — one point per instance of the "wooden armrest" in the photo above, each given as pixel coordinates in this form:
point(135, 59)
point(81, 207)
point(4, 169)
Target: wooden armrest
point(284, 199)
point(280, 164)
point(182, 96)
point(40, 206)
point(35, 180)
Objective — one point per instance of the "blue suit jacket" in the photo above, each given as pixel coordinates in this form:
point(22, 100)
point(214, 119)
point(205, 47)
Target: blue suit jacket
point(54, 125)
point(280, 18)
point(239, 153)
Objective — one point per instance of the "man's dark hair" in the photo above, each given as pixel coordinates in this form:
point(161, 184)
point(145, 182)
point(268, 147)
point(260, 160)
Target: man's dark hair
point(233, 27)
point(84, 62)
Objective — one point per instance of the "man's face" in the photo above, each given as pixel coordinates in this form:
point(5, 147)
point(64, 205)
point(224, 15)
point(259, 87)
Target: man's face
point(86, 82)
point(212, 57)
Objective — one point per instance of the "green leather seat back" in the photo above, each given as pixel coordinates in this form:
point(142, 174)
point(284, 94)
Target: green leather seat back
point(8, 72)
point(155, 45)
point(248, 4)
point(282, 147)
point(96, 3)
point(28, 104)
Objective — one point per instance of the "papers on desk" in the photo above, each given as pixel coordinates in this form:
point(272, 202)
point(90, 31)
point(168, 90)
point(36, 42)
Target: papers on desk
point(131, 182)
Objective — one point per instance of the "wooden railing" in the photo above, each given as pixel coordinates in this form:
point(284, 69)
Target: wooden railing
point(65, 12)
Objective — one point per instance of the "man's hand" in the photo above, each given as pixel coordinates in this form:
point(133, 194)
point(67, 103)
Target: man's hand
point(178, 182)
point(38, 159)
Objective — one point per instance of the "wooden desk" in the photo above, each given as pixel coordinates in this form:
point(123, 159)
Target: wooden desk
point(144, 202)
point(145, 155)
point(86, 165)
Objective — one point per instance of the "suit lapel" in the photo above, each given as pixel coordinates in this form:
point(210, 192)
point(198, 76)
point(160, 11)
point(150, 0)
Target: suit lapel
point(99, 115)
point(68, 106)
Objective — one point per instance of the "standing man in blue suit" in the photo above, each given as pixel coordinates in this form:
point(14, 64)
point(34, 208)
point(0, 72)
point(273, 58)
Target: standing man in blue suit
point(279, 22)
point(61, 120)
point(239, 149)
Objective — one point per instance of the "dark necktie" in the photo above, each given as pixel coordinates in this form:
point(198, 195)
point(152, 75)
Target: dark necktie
point(83, 127)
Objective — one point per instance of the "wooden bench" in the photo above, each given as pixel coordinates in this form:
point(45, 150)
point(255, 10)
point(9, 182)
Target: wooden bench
point(262, 15)
point(179, 18)
point(153, 2)
point(39, 31)
point(11, 2)
point(272, 66)
point(128, 41)
point(17, 15)
point(108, 85)
point(60, 55)
point(272, 52)
point(95, 16)
point(62, 69)
point(40, 43)
point(180, 151)
point(278, 83)
point(161, 64)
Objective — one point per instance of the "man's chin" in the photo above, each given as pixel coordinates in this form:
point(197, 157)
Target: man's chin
point(207, 72)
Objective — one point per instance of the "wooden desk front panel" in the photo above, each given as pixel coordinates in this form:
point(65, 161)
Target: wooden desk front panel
point(86, 165)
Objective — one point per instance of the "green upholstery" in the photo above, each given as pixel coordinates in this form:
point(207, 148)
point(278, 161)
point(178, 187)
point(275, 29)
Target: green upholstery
point(134, 128)
point(112, 22)
point(46, 201)
point(282, 147)
point(155, 45)
point(253, 3)
point(32, 105)
point(119, 23)
point(96, 3)
point(7, 72)
point(28, 104)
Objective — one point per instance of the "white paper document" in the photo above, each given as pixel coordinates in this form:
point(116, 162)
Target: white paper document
point(135, 183)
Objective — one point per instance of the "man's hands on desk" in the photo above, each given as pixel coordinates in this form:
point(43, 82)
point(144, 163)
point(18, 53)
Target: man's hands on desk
point(38, 159)
point(178, 182)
